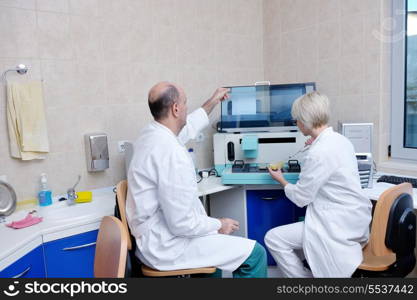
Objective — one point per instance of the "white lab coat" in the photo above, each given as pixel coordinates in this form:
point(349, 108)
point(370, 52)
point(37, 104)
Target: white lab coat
point(338, 212)
point(165, 215)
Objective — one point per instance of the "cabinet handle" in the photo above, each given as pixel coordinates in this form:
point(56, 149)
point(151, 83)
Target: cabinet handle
point(269, 198)
point(22, 274)
point(79, 247)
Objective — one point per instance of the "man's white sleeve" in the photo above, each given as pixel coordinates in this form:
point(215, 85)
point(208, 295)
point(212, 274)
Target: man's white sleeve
point(196, 121)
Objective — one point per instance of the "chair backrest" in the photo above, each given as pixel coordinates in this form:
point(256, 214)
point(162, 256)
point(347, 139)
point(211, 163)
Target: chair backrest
point(377, 245)
point(111, 249)
point(121, 194)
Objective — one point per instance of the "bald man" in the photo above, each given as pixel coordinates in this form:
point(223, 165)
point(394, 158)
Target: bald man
point(165, 215)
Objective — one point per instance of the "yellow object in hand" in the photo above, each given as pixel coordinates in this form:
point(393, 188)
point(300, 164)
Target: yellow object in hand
point(277, 166)
point(83, 197)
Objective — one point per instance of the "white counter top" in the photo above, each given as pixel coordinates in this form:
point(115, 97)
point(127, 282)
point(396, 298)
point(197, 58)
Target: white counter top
point(211, 185)
point(60, 220)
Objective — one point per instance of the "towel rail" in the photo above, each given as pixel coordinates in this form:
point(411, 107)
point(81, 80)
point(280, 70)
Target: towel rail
point(21, 69)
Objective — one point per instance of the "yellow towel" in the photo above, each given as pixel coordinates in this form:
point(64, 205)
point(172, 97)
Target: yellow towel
point(26, 121)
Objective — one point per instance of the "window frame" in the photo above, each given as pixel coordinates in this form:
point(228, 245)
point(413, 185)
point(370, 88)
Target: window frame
point(398, 82)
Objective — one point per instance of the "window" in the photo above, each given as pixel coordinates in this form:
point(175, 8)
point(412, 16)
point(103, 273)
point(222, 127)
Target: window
point(404, 80)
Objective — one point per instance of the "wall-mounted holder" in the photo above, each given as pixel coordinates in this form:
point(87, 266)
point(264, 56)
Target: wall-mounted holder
point(97, 152)
point(20, 69)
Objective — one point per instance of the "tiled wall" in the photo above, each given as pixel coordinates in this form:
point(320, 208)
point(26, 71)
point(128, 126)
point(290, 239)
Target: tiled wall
point(342, 45)
point(98, 59)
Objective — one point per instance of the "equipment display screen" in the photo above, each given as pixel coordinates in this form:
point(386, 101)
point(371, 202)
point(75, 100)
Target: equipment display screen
point(261, 107)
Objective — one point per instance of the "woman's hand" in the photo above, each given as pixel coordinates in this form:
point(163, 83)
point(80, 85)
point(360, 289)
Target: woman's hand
point(278, 176)
point(309, 141)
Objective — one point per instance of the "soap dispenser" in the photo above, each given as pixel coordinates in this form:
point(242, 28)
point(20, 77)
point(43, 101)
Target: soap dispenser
point(44, 195)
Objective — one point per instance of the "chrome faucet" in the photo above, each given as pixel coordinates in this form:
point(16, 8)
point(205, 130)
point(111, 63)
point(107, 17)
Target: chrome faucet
point(71, 193)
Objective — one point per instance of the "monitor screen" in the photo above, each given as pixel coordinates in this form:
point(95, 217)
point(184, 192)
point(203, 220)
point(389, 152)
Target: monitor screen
point(261, 107)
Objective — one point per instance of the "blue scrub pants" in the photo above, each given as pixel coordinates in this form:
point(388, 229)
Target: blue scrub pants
point(255, 266)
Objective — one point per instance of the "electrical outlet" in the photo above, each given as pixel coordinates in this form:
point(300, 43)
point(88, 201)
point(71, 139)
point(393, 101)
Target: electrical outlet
point(121, 146)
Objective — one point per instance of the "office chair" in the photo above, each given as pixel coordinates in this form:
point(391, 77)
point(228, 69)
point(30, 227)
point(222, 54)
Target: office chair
point(111, 249)
point(137, 267)
point(390, 250)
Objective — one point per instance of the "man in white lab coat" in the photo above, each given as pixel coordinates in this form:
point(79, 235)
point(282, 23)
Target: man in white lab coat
point(164, 213)
point(338, 213)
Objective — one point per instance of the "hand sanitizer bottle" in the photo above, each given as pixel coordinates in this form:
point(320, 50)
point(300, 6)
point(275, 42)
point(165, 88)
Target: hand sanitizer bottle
point(44, 195)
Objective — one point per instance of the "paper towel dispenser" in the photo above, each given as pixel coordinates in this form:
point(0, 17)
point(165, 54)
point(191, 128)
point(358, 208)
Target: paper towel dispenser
point(97, 152)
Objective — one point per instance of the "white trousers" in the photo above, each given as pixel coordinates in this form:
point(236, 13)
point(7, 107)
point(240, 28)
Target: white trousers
point(285, 243)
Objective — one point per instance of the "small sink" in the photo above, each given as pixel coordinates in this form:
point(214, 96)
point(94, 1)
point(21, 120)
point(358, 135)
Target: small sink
point(62, 211)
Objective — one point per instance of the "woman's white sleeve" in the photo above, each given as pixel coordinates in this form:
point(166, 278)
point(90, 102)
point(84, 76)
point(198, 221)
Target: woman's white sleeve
point(314, 174)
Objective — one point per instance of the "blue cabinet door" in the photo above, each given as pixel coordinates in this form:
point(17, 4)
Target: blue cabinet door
point(71, 257)
point(267, 209)
point(31, 265)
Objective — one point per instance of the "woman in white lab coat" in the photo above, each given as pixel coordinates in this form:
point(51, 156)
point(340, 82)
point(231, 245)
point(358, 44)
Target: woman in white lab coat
point(338, 213)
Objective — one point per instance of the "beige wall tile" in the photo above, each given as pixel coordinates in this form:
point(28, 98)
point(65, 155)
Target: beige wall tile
point(272, 18)
point(63, 171)
point(352, 7)
point(85, 35)
point(27, 4)
point(329, 10)
point(90, 82)
point(209, 13)
point(289, 48)
point(115, 40)
point(117, 81)
point(126, 121)
point(18, 32)
point(352, 75)
point(328, 77)
point(336, 115)
point(372, 73)
point(226, 49)
point(85, 7)
point(164, 12)
point(329, 40)
point(54, 37)
point(352, 35)
point(141, 44)
point(59, 83)
point(348, 109)
point(373, 33)
point(308, 13)
point(165, 41)
point(63, 129)
point(308, 45)
point(110, 9)
point(186, 14)
point(53, 5)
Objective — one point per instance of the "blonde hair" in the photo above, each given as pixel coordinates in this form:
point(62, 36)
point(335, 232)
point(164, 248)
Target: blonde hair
point(312, 109)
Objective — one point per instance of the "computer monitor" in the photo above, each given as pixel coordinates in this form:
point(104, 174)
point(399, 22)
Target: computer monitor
point(261, 107)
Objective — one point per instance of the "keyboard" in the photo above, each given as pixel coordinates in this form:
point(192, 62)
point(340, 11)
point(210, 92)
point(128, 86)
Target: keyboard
point(397, 180)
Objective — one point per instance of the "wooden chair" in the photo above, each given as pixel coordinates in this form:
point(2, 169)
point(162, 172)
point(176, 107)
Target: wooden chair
point(121, 194)
point(111, 249)
point(390, 250)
